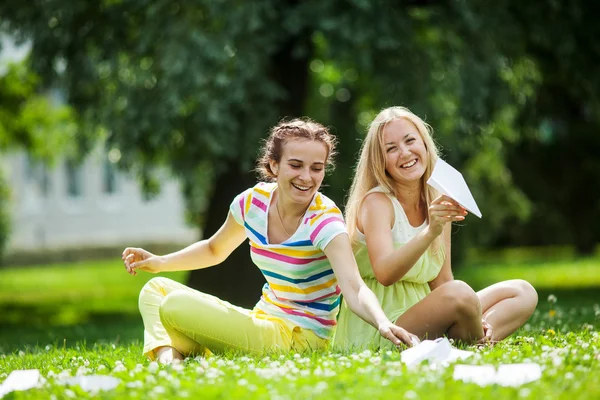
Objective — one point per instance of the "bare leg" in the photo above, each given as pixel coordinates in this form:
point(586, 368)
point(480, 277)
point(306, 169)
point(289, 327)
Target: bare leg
point(452, 309)
point(507, 305)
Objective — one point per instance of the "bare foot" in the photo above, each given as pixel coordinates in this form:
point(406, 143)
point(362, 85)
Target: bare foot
point(168, 355)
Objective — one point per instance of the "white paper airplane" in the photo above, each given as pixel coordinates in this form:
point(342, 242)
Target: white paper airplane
point(447, 180)
point(434, 351)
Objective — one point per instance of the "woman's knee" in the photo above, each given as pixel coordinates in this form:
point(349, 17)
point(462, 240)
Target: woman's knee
point(152, 291)
point(526, 293)
point(173, 304)
point(463, 298)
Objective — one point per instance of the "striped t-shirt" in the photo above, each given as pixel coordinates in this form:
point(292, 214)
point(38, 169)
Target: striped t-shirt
point(301, 286)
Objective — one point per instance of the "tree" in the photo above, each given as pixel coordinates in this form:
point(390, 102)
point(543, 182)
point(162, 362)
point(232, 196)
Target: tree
point(194, 86)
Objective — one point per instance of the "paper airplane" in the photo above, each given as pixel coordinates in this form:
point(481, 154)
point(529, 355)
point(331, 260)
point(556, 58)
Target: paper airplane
point(507, 374)
point(20, 380)
point(434, 351)
point(447, 180)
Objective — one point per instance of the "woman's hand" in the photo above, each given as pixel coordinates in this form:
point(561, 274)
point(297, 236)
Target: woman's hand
point(397, 335)
point(443, 210)
point(136, 258)
point(488, 332)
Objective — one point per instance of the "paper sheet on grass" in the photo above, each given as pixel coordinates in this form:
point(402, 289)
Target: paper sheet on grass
point(93, 383)
point(18, 380)
point(447, 180)
point(506, 375)
point(434, 351)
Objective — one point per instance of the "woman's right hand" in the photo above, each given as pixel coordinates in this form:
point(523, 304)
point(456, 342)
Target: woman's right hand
point(139, 259)
point(443, 210)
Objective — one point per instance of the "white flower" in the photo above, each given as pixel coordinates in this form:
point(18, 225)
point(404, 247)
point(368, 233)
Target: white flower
point(101, 367)
point(525, 392)
point(552, 299)
point(159, 390)
point(410, 394)
point(119, 368)
point(153, 367)
point(366, 354)
point(242, 382)
point(177, 367)
point(70, 393)
point(569, 375)
point(135, 385)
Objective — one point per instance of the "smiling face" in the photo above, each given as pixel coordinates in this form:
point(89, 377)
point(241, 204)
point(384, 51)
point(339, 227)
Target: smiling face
point(406, 156)
point(301, 169)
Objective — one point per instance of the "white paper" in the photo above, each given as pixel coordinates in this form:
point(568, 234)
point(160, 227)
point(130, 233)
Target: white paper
point(434, 351)
point(507, 374)
point(482, 375)
point(20, 380)
point(93, 383)
point(447, 180)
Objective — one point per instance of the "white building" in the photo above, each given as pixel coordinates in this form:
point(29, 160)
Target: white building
point(82, 206)
point(90, 205)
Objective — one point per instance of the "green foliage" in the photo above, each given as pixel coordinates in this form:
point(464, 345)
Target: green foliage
point(31, 119)
point(194, 86)
point(4, 212)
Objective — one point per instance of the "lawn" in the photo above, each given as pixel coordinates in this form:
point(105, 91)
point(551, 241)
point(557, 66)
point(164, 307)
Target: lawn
point(82, 319)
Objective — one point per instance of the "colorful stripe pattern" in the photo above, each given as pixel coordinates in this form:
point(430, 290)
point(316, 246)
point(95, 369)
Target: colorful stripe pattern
point(301, 286)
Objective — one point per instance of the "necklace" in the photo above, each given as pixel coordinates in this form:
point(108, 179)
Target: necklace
point(281, 221)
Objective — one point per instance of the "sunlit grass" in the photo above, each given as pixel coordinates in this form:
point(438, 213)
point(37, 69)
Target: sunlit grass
point(82, 319)
point(570, 273)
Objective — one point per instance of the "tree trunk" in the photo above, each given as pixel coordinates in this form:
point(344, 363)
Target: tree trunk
point(237, 279)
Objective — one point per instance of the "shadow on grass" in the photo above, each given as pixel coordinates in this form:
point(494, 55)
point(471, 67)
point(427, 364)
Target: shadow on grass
point(25, 327)
point(30, 326)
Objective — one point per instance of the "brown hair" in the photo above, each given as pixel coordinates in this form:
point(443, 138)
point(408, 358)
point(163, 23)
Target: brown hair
point(298, 128)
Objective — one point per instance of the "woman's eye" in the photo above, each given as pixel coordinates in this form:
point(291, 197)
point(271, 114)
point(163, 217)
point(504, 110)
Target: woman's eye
point(410, 140)
point(294, 166)
point(390, 149)
point(317, 169)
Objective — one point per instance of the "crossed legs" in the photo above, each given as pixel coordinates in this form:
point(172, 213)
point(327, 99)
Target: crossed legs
point(455, 310)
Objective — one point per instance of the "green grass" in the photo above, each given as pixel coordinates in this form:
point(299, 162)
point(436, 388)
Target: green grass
point(82, 319)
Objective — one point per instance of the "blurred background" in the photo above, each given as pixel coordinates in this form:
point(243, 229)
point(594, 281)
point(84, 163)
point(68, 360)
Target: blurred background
point(135, 123)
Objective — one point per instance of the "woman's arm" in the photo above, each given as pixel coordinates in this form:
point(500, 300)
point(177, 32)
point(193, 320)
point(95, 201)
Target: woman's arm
point(389, 264)
point(376, 217)
point(445, 274)
point(202, 254)
point(360, 298)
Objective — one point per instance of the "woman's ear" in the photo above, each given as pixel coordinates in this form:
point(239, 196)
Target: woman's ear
point(274, 165)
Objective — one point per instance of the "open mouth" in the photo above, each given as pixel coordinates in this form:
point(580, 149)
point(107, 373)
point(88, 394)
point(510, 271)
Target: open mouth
point(301, 188)
point(409, 164)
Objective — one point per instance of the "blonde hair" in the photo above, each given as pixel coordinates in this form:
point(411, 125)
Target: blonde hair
point(370, 170)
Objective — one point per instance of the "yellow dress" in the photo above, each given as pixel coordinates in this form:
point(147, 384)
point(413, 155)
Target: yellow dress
point(352, 331)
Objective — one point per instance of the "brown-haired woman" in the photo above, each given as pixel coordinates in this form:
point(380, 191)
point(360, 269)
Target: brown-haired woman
point(299, 242)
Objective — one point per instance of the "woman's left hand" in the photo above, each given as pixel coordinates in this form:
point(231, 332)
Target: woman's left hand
point(488, 331)
point(398, 335)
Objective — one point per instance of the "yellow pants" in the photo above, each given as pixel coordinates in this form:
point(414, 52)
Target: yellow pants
point(196, 323)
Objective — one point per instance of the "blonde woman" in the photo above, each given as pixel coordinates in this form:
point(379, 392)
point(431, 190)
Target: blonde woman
point(400, 230)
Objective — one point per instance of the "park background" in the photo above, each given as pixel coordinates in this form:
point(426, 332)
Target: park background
point(184, 92)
